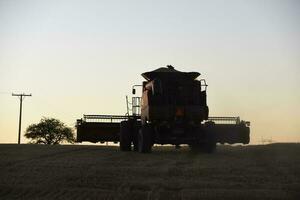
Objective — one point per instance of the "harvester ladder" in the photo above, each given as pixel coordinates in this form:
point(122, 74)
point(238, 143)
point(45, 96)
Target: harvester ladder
point(133, 107)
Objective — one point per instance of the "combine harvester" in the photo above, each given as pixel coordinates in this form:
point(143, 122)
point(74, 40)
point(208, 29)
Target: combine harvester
point(172, 110)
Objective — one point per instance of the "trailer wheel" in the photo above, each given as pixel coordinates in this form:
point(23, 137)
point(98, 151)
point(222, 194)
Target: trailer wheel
point(145, 139)
point(125, 136)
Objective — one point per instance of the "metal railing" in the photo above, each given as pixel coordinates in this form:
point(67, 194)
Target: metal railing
point(225, 120)
point(119, 118)
point(104, 118)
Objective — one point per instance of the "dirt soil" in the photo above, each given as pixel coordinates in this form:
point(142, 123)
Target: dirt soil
point(103, 172)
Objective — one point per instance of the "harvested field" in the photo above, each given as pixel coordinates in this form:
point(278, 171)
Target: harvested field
point(102, 172)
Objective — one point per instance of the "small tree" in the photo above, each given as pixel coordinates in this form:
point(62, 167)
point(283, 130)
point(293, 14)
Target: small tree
point(49, 131)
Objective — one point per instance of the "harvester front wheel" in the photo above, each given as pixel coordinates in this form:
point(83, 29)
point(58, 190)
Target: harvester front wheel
point(125, 136)
point(145, 139)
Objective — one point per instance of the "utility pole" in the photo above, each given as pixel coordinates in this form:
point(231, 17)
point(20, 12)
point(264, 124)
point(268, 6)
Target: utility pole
point(21, 97)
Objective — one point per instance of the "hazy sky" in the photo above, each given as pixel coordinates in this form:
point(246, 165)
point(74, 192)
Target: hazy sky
point(81, 57)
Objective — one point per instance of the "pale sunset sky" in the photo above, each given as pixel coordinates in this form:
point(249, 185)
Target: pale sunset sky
point(82, 57)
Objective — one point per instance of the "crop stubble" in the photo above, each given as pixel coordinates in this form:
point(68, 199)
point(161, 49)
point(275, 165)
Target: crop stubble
point(103, 172)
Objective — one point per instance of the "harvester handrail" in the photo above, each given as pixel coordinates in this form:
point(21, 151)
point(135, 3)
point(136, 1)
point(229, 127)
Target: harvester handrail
point(104, 118)
point(227, 120)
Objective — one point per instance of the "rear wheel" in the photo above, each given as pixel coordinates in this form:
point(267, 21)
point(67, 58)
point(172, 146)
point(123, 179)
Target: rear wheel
point(207, 144)
point(203, 147)
point(145, 139)
point(125, 136)
point(210, 143)
point(135, 133)
point(195, 147)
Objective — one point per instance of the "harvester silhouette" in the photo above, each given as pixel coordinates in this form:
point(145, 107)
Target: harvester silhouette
point(172, 110)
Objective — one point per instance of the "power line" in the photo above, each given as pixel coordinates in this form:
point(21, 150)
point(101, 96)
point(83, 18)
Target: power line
point(21, 97)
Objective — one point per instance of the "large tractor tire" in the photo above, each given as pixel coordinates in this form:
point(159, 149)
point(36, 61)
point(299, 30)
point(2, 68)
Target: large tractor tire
point(208, 142)
point(195, 147)
point(210, 145)
point(125, 136)
point(135, 133)
point(207, 146)
point(145, 139)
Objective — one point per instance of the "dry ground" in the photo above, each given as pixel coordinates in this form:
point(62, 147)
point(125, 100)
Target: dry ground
point(101, 172)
